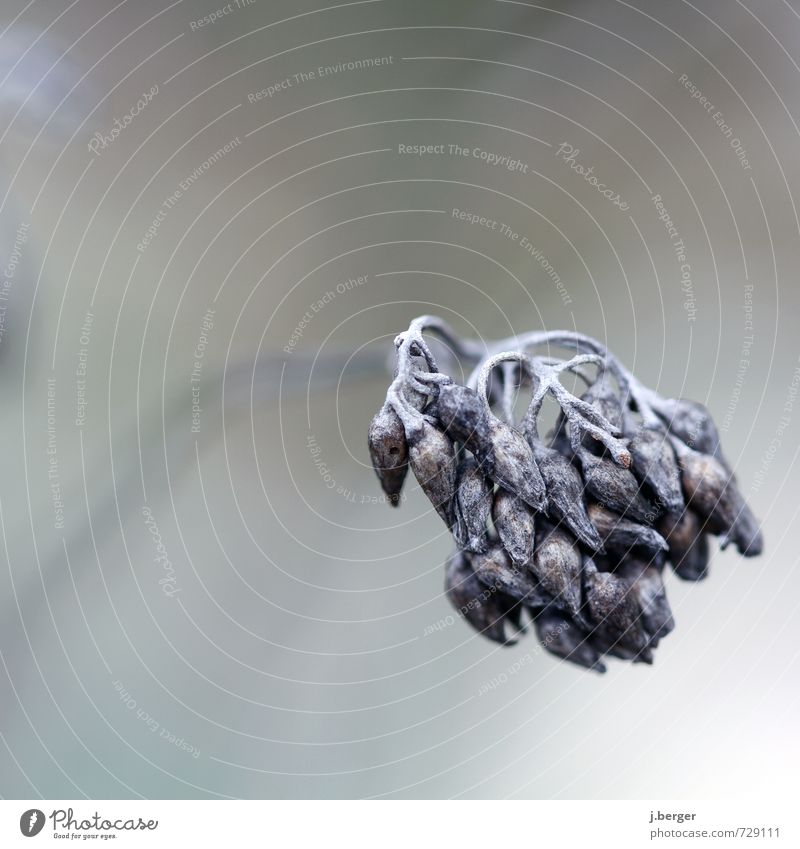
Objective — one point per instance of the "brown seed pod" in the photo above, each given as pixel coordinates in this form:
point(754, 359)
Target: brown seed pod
point(653, 462)
point(388, 450)
point(482, 607)
point(710, 491)
point(565, 494)
point(562, 637)
point(616, 487)
point(620, 535)
point(514, 523)
point(688, 544)
point(494, 569)
point(473, 504)
point(557, 564)
point(432, 458)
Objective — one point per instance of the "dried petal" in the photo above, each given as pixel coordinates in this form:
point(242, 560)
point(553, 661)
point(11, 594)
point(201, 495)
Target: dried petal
point(432, 458)
point(653, 462)
point(620, 535)
point(562, 637)
point(514, 523)
point(557, 564)
point(565, 494)
point(481, 606)
point(388, 450)
point(473, 504)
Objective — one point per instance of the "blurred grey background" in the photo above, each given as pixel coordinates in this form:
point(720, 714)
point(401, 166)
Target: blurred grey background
point(213, 602)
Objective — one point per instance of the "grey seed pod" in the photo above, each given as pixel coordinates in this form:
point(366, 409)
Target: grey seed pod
point(565, 494)
point(432, 458)
point(653, 462)
point(562, 637)
point(606, 641)
point(557, 564)
point(620, 535)
point(616, 487)
point(710, 491)
point(688, 544)
point(648, 589)
point(473, 504)
point(495, 570)
point(508, 460)
point(482, 607)
point(514, 523)
point(462, 414)
point(615, 608)
point(691, 422)
point(388, 450)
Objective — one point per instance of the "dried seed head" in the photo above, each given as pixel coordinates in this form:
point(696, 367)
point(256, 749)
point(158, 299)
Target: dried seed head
point(617, 488)
point(495, 570)
point(481, 606)
point(565, 494)
point(432, 458)
point(514, 523)
point(388, 450)
point(688, 544)
point(557, 564)
point(473, 504)
point(562, 637)
point(620, 536)
point(653, 462)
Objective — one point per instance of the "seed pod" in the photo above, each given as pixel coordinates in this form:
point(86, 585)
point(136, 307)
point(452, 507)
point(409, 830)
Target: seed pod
point(648, 590)
point(509, 461)
point(614, 607)
point(688, 544)
point(691, 422)
point(620, 535)
point(481, 606)
point(432, 458)
point(388, 450)
point(514, 523)
point(562, 637)
point(607, 641)
point(473, 503)
point(616, 487)
point(557, 564)
point(565, 494)
point(710, 491)
point(495, 570)
point(463, 414)
point(653, 462)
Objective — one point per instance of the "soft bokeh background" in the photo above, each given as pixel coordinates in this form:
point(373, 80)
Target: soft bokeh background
point(297, 642)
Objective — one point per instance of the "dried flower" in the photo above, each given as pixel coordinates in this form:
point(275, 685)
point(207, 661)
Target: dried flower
point(581, 529)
